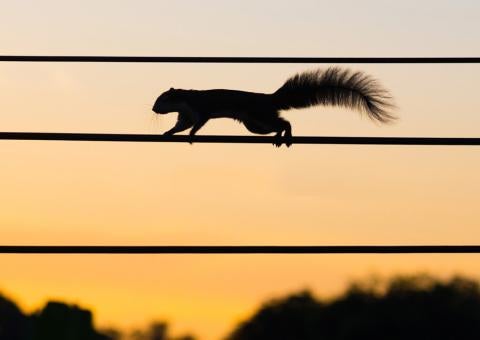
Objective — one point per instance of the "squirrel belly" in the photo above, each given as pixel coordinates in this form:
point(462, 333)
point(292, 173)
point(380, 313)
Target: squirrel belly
point(259, 112)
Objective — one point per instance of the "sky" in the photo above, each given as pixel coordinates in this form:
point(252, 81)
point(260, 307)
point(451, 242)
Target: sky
point(161, 194)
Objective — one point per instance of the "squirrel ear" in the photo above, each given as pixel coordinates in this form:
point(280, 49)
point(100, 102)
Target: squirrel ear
point(171, 89)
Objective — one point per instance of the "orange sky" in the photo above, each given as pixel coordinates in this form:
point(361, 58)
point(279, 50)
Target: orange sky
point(92, 193)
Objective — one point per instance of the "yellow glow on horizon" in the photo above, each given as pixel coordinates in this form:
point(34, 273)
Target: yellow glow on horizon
point(206, 295)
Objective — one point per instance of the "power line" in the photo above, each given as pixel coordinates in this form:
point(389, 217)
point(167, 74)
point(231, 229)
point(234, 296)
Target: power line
point(117, 137)
point(353, 249)
point(236, 60)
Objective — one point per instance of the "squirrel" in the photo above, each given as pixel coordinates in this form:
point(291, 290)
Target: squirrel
point(259, 112)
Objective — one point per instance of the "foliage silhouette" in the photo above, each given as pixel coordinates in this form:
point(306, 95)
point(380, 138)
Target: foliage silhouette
point(157, 330)
point(14, 325)
point(407, 308)
point(415, 307)
point(56, 321)
point(60, 321)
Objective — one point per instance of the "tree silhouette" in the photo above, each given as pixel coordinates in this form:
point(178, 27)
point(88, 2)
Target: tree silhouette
point(14, 325)
point(56, 321)
point(408, 308)
point(417, 307)
point(157, 330)
point(59, 321)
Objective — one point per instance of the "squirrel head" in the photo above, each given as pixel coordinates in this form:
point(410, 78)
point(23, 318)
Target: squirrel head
point(168, 101)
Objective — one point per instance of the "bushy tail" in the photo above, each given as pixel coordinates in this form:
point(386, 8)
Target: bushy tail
point(336, 87)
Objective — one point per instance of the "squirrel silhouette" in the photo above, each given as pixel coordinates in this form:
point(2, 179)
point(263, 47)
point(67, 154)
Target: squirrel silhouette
point(259, 112)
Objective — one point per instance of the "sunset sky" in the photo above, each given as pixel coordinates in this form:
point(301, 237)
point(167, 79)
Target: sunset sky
point(163, 194)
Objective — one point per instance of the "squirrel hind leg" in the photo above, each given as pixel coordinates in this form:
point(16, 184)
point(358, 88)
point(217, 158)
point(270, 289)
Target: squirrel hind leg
point(282, 126)
point(286, 127)
point(271, 124)
point(258, 127)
